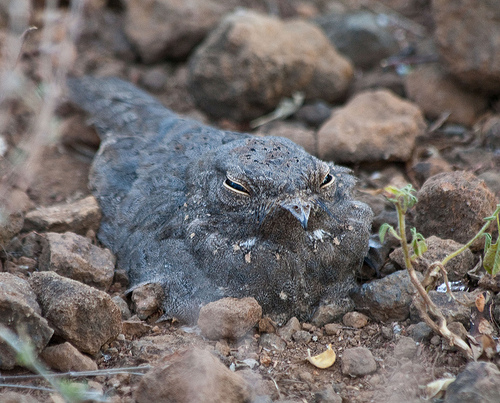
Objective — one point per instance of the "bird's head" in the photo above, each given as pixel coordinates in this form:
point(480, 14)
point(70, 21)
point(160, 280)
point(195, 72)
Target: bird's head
point(276, 183)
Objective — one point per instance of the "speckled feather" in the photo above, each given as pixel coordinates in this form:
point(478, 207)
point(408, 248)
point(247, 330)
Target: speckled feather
point(169, 218)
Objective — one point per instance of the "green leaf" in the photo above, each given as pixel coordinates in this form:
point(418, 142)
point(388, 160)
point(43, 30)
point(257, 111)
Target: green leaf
point(491, 261)
point(383, 230)
point(418, 243)
point(487, 242)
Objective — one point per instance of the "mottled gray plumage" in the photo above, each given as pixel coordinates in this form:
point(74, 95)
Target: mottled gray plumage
point(210, 213)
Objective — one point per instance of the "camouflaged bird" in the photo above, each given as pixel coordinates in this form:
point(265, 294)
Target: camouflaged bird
point(209, 213)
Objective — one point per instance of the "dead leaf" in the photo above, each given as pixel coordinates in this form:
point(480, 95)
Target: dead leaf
point(323, 360)
point(480, 302)
point(436, 388)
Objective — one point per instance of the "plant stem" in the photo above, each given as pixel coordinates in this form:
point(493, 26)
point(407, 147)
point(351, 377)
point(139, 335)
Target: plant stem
point(466, 246)
point(439, 327)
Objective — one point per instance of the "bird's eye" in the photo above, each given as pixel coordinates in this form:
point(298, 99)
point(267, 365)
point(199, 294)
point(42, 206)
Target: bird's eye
point(329, 179)
point(236, 187)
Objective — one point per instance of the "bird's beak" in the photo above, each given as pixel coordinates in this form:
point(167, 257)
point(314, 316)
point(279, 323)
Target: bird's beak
point(299, 209)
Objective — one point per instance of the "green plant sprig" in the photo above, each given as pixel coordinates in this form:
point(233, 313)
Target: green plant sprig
point(404, 199)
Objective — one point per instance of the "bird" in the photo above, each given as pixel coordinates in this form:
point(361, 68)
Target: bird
point(209, 213)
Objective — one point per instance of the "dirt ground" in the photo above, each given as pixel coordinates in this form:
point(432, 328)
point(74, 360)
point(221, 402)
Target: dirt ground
point(58, 173)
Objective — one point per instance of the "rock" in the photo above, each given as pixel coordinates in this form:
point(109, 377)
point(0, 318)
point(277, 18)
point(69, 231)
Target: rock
point(77, 217)
point(123, 306)
point(437, 93)
point(13, 203)
point(355, 319)
point(20, 312)
point(192, 376)
point(161, 29)
point(452, 310)
point(478, 382)
point(75, 257)
point(387, 299)
point(420, 331)
point(80, 314)
point(437, 250)
point(134, 327)
point(373, 126)
point(147, 299)
point(329, 313)
point(327, 395)
point(272, 342)
point(360, 36)
point(303, 137)
point(405, 348)
point(358, 361)
point(286, 332)
point(301, 336)
point(64, 357)
point(424, 168)
point(229, 318)
point(333, 329)
point(452, 205)
point(14, 397)
point(251, 61)
point(267, 325)
point(314, 114)
point(467, 37)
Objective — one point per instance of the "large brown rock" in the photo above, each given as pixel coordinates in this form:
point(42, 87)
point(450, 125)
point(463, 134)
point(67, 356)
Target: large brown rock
point(468, 36)
point(20, 312)
point(80, 314)
point(373, 126)
point(161, 29)
point(453, 205)
point(251, 61)
point(74, 256)
point(436, 93)
point(192, 376)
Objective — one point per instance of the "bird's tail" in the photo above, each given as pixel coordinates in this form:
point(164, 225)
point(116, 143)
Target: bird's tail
point(117, 108)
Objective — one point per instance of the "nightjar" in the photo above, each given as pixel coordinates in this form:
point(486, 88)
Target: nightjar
point(209, 213)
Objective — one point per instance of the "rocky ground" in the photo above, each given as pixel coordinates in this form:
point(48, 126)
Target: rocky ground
point(400, 91)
